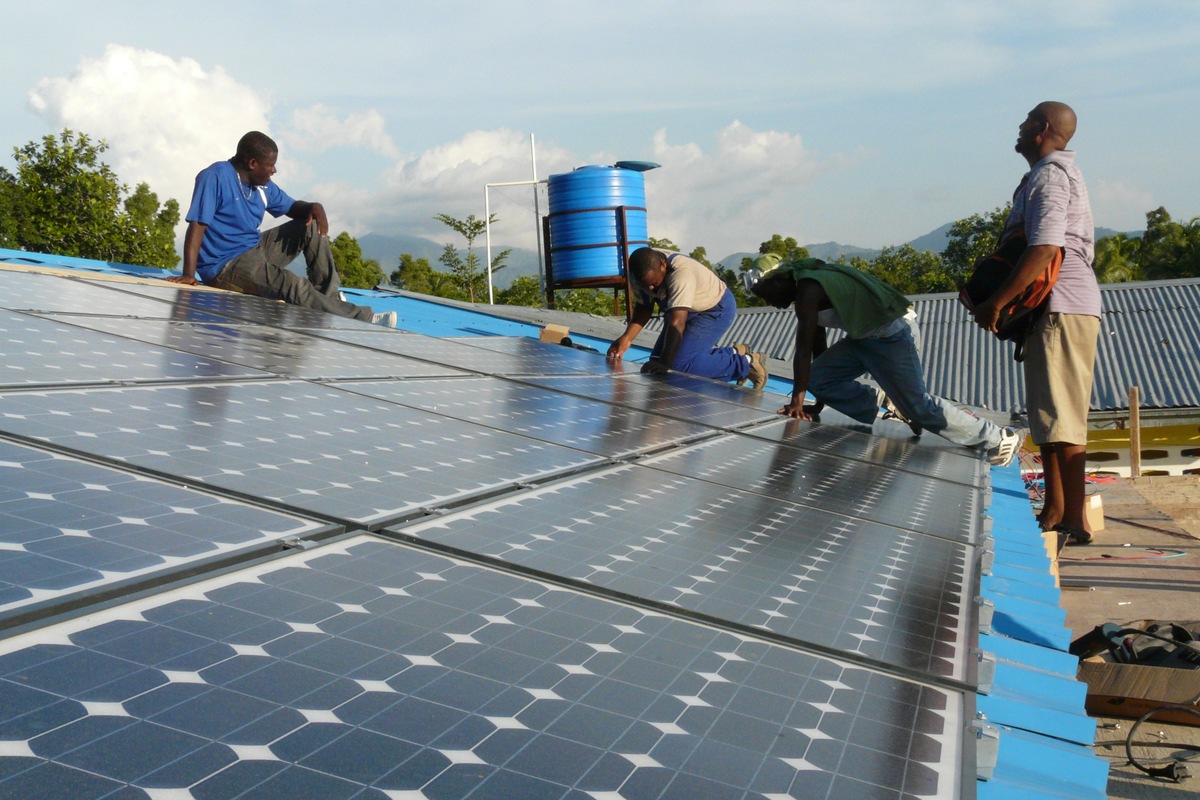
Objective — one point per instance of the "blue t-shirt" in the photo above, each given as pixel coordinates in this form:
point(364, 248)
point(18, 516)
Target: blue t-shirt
point(232, 212)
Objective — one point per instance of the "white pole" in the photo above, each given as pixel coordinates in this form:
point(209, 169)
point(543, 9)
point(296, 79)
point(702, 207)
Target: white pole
point(487, 228)
point(487, 224)
point(537, 219)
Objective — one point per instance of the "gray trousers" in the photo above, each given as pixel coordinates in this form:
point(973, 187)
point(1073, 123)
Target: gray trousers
point(261, 271)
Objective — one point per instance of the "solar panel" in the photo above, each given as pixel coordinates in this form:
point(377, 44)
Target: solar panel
point(886, 595)
point(30, 291)
point(440, 351)
point(538, 413)
point(951, 464)
point(783, 609)
point(833, 483)
point(719, 390)
point(273, 350)
point(657, 394)
point(544, 358)
point(246, 307)
point(366, 669)
point(68, 527)
point(43, 352)
point(307, 447)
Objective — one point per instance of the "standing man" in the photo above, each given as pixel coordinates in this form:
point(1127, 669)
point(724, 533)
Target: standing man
point(224, 248)
point(1050, 208)
point(697, 309)
point(881, 339)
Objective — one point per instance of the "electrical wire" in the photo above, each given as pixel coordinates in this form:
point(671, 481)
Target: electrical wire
point(1172, 768)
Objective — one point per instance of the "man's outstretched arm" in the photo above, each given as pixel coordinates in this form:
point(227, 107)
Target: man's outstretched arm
point(641, 315)
point(810, 343)
point(192, 240)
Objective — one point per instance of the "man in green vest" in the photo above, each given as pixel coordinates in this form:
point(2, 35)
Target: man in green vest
point(881, 340)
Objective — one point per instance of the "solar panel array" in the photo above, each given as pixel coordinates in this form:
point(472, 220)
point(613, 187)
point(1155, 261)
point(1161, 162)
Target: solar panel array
point(251, 551)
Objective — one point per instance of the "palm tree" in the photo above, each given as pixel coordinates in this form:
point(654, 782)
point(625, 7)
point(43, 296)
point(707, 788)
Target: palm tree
point(1116, 259)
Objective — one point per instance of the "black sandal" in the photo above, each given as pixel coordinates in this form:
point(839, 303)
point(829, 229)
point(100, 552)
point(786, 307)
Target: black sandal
point(1072, 536)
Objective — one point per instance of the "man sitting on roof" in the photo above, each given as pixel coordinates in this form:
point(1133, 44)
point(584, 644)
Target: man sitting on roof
point(697, 308)
point(880, 339)
point(224, 248)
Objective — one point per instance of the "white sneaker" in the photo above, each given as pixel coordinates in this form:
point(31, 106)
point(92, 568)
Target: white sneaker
point(1003, 454)
point(387, 319)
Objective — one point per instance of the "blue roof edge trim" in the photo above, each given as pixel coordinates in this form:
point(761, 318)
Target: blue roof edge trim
point(1035, 700)
point(1033, 767)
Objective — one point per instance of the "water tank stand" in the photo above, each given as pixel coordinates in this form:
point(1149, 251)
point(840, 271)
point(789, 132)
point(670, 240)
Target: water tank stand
point(617, 282)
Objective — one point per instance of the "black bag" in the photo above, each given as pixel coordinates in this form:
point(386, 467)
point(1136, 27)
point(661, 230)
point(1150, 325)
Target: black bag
point(1018, 316)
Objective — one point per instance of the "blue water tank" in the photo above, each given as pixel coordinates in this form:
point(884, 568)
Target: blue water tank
point(585, 221)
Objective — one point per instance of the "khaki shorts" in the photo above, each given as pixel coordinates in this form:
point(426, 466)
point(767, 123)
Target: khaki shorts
point(1060, 356)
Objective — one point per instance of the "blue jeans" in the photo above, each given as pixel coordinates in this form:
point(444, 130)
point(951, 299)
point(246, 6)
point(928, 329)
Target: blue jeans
point(696, 354)
point(891, 358)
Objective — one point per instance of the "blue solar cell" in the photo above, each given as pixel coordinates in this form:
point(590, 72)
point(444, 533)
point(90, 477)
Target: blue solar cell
point(314, 448)
point(887, 595)
point(614, 699)
point(68, 527)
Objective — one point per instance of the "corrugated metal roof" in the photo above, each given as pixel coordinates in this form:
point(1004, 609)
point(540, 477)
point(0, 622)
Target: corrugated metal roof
point(1150, 338)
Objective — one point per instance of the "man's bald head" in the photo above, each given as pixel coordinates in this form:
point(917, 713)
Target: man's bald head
point(1061, 118)
point(1047, 128)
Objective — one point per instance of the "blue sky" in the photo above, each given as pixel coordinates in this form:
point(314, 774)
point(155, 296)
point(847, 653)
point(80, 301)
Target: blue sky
point(867, 123)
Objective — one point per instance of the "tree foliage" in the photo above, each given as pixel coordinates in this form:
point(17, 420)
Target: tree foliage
point(1116, 259)
point(64, 199)
point(788, 248)
point(524, 291)
point(972, 238)
point(355, 271)
point(1168, 249)
point(413, 274)
point(908, 270)
point(470, 276)
point(8, 220)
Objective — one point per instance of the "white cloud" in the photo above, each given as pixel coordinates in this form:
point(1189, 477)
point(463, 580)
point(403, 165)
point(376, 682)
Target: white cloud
point(1119, 205)
point(319, 128)
point(167, 118)
point(449, 178)
point(748, 188)
point(751, 186)
point(164, 118)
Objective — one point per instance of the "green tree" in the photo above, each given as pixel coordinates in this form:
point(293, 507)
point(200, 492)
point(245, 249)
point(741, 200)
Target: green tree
point(8, 220)
point(663, 244)
point(413, 274)
point(788, 248)
point(701, 255)
point(908, 270)
point(467, 272)
point(1116, 259)
point(589, 301)
point(525, 291)
point(972, 238)
point(64, 199)
point(1169, 249)
point(150, 229)
point(355, 271)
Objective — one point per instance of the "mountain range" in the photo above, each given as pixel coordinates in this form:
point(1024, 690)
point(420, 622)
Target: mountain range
point(387, 248)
